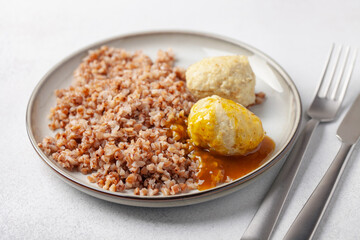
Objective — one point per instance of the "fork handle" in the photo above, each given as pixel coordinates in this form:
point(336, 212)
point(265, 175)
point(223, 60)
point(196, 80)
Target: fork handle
point(268, 213)
point(309, 217)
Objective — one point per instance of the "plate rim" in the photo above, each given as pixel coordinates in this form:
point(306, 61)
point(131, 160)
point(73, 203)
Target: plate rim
point(154, 200)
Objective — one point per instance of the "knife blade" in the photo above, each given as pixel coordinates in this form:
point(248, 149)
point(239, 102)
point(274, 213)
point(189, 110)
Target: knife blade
point(306, 223)
point(349, 130)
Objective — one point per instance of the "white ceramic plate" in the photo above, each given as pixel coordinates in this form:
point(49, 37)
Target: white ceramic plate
point(280, 113)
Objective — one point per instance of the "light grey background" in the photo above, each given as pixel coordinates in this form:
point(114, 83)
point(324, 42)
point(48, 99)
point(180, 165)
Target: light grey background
point(35, 35)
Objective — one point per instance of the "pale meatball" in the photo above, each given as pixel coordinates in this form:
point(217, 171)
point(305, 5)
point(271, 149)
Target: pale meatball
point(230, 77)
point(224, 126)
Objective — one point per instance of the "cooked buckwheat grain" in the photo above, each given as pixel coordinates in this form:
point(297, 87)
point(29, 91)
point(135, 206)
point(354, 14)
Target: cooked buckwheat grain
point(115, 122)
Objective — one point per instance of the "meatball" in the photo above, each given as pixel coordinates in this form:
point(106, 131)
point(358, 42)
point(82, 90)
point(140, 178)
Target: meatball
point(224, 126)
point(229, 77)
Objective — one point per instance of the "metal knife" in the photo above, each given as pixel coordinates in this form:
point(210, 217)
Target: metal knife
point(309, 217)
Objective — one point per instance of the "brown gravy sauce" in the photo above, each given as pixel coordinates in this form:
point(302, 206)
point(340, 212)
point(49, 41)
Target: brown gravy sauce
point(215, 169)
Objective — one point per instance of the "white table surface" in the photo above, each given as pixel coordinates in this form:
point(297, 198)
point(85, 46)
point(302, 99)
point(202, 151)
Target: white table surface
point(35, 35)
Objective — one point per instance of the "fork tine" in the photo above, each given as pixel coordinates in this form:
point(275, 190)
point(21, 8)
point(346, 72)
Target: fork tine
point(327, 89)
point(321, 83)
point(347, 80)
point(340, 75)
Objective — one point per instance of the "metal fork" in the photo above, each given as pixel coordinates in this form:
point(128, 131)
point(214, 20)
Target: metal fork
point(324, 108)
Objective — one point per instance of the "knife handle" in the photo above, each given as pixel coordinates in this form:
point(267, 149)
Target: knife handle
point(268, 213)
point(305, 224)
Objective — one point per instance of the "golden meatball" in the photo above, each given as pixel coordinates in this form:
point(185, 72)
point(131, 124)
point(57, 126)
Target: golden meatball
point(224, 126)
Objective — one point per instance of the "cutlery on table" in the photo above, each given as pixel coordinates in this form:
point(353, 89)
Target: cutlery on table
point(324, 108)
point(309, 217)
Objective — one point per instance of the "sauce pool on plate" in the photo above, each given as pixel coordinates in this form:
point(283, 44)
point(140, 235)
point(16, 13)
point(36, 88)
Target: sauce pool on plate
point(215, 169)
